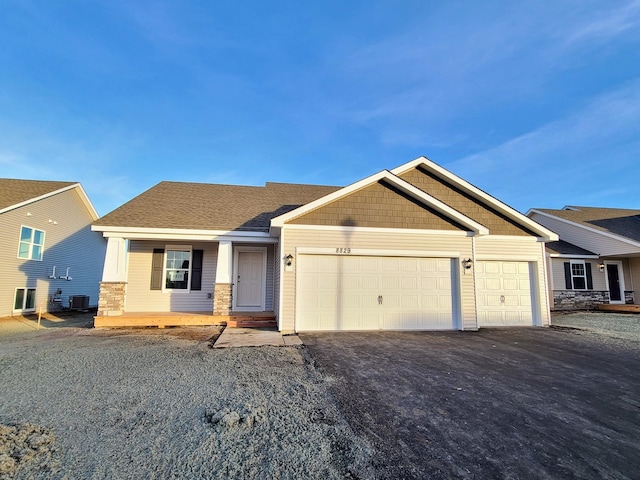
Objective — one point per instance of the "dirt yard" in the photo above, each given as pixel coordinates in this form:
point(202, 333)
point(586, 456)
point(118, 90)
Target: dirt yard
point(85, 403)
point(161, 403)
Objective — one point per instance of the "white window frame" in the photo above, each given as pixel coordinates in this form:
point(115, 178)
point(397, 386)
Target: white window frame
point(24, 300)
point(164, 268)
point(31, 243)
point(583, 276)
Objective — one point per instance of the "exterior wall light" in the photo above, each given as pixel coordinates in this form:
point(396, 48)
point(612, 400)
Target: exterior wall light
point(288, 260)
point(601, 266)
point(467, 264)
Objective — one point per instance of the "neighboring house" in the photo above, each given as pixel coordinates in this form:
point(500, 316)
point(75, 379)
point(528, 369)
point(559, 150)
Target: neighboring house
point(414, 248)
point(48, 253)
point(597, 260)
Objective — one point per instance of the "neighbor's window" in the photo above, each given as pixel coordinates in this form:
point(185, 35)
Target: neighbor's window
point(578, 275)
point(25, 299)
point(31, 243)
point(177, 269)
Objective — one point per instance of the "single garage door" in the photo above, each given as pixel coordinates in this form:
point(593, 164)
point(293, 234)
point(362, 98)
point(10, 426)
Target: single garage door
point(503, 291)
point(374, 293)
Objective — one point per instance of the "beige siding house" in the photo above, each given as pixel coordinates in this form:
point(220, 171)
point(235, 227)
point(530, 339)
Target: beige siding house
point(50, 258)
point(597, 260)
point(414, 248)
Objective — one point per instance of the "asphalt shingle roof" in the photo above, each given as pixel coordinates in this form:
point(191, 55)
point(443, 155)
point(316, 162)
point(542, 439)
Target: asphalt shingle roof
point(565, 248)
point(619, 221)
point(13, 191)
point(204, 206)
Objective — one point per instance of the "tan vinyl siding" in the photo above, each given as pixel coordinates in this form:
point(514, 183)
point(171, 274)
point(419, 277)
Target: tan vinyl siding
point(276, 278)
point(378, 205)
point(557, 265)
point(140, 298)
point(635, 278)
point(293, 238)
point(519, 249)
point(626, 270)
point(68, 243)
point(497, 223)
point(593, 241)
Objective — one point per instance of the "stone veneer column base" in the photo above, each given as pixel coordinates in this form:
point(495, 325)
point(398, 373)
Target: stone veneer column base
point(111, 301)
point(222, 298)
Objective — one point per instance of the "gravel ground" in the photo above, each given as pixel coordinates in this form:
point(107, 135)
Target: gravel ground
point(625, 326)
point(84, 403)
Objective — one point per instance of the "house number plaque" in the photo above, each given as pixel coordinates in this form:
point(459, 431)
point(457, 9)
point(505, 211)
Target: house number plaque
point(343, 250)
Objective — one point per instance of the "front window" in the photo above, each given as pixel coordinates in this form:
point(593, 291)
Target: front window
point(177, 269)
point(25, 299)
point(578, 275)
point(31, 243)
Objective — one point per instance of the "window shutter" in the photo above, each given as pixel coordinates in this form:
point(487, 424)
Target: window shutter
point(196, 270)
point(156, 268)
point(587, 270)
point(567, 276)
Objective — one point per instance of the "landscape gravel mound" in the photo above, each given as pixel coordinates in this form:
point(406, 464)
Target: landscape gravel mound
point(26, 449)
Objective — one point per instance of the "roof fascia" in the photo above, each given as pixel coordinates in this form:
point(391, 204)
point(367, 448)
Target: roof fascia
point(139, 232)
point(513, 214)
point(401, 184)
point(87, 202)
point(613, 236)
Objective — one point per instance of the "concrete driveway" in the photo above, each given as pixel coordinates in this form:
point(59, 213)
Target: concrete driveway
point(501, 403)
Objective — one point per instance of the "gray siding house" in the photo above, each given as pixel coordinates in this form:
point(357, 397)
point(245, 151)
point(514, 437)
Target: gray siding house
point(49, 257)
point(597, 260)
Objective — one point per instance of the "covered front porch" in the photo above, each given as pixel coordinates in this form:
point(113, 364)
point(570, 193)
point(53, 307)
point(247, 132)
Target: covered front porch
point(217, 282)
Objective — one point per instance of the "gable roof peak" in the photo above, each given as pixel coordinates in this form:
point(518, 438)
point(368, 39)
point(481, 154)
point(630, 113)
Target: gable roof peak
point(477, 193)
point(15, 193)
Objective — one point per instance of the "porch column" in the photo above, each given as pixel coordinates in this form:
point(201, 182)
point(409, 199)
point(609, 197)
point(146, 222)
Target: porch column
point(114, 278)
point(222, 291)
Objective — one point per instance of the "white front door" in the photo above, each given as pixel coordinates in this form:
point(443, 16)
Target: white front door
point(250, 279)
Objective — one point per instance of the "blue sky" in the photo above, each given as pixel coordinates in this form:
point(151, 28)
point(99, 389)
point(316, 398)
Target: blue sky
point(537, 103)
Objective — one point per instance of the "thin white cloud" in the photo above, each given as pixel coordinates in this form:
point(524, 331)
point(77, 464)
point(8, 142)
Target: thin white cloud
point(585, 153)
point(608, 23)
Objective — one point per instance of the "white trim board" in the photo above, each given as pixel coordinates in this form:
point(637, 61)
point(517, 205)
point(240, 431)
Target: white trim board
point(369, 252)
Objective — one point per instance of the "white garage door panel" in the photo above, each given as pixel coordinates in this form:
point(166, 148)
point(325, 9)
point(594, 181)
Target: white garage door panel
point(503, 294)
point(371, 293)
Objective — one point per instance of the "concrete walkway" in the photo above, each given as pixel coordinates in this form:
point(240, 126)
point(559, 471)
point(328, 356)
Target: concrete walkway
point(255, 337)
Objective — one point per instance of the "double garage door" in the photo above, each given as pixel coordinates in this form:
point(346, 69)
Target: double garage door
point(375, 293)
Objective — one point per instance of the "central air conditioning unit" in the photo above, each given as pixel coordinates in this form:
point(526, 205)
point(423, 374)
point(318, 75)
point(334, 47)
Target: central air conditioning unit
point(79, 302)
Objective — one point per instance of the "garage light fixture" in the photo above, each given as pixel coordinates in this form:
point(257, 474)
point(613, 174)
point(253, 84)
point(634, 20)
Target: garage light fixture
point(288, 260)
point(601, 266)
point(467, 263)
